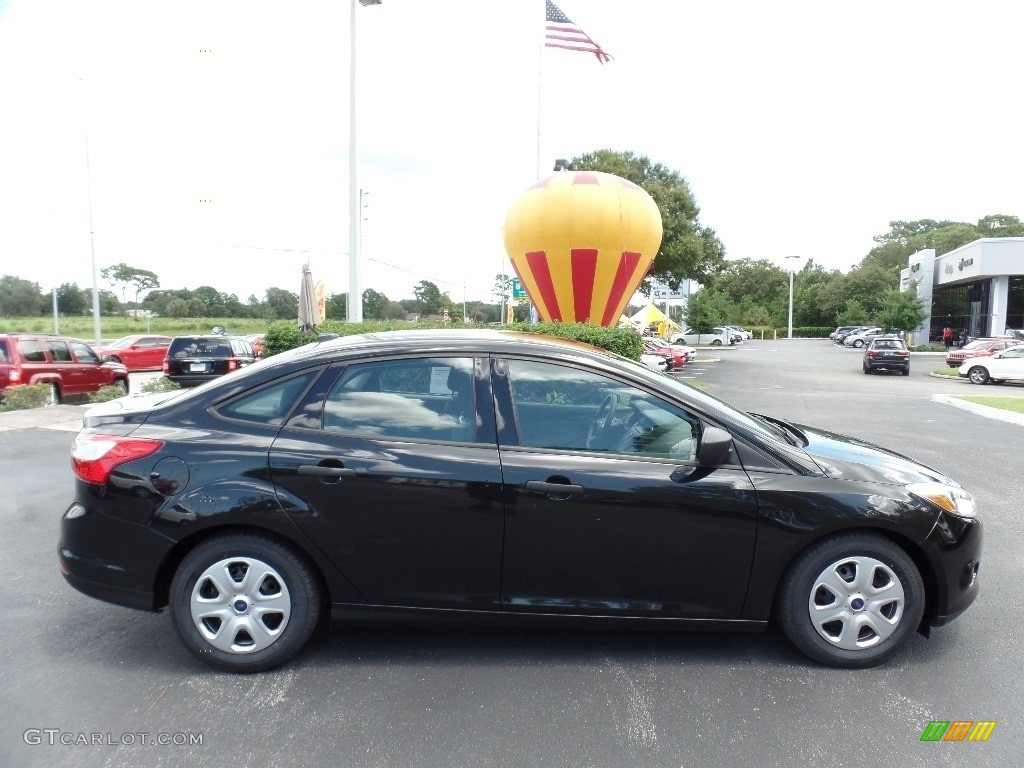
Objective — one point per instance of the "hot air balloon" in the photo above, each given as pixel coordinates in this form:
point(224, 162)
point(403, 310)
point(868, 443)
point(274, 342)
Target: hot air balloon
point(581, 242)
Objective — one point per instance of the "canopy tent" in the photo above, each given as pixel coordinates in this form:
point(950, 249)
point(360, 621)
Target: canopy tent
point(651, 315)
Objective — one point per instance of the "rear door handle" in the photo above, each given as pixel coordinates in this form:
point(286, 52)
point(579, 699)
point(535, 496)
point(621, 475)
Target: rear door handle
point(554, 489)
point(317, 470)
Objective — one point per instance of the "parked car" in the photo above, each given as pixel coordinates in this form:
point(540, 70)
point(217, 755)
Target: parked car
point(886, 354)
point(656, 362)
point(256, 342)
point(437, 476)
point(717, 337)
point(194, 360)
point(995, 368)
point(842, 330)
point(841, 337)
point(677, 355)
point(69, 366)
point(978, 348)
point(737, 336)
point(137, 353)
point(859, 338)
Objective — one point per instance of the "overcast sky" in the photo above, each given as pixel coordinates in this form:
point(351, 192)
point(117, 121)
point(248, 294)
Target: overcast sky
point(802, 128)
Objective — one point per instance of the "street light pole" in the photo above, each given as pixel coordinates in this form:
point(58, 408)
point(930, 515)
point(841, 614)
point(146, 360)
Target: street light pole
point(791, 298)
point(355, 296)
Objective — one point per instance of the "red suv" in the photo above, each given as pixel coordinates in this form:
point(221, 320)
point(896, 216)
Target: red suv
point(70, 366)
point(978, 348)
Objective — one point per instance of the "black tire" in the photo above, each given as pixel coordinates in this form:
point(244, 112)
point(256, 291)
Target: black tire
point(858, 343)
point(122, 385)
point(289, 584)
point(716, 342)
point(870, 556)
point(53, 396)
point(867, 368)
point(978, 375)
point(906, 371)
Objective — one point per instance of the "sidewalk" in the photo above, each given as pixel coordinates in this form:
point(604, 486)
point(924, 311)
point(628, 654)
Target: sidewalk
point(63, 417)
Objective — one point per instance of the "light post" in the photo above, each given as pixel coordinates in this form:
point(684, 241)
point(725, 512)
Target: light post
point(791, 296)
point(355, 296)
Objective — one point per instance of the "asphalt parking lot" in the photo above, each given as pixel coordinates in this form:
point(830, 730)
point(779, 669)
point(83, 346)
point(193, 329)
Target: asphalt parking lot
point(75, 667)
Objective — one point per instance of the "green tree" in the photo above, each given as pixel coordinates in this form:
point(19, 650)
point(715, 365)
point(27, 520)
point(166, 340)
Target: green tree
point(178, 308)
point(19, 298)
point(337, 306)
point(688, 249)
point(902, 310)
point(375, 305)
point(704, 310)
point(72, 300)
point(284, 305)
point(128, 277)
point(853, 314)
point(428, 297)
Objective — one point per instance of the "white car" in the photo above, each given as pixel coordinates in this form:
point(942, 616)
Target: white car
point(689, 337)
point(1008, 364)
point(655, 362)
point(858, 339)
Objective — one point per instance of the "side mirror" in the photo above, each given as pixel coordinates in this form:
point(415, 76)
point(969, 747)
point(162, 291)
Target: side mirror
point(715, 445)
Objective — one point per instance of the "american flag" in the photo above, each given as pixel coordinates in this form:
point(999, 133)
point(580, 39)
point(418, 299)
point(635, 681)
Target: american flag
point(562, 33)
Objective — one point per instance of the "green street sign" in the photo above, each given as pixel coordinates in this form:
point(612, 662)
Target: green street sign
point(518, 292)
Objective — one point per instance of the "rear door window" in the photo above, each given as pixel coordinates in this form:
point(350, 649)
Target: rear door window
point(59, 351)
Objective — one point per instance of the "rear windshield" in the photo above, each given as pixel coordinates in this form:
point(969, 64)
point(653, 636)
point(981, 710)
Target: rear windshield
point(181, 348)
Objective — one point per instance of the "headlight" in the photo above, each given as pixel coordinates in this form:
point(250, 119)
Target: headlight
point(956, 501)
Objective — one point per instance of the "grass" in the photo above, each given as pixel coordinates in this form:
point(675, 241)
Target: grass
point(944, 371)
point(1014, 404)
point(114, 327)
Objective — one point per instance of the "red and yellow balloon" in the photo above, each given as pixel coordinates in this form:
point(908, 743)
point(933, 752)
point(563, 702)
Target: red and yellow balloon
point(581, 242)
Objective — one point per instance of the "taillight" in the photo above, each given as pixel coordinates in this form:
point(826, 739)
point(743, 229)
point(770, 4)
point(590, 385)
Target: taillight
point(94, 457)
point(903, 353)
point(167, 365)
point(872, 353)
point(14, 375)
point(233, 363)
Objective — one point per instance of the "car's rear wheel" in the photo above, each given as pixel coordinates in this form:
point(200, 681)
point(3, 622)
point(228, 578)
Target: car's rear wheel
point(852, 600)
point(978, 375)
point(52, 396)
point(867, 368)
point(115, 359)
point(716, 342)
point(858, 343)
point(244, 603)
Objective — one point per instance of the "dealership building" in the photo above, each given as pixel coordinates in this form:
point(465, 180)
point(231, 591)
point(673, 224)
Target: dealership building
point(979, 287)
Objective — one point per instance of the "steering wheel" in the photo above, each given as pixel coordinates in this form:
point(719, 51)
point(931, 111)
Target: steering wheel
point(603, 420)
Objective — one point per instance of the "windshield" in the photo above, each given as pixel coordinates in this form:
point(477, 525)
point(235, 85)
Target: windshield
point(127, 341)
point(978, 345)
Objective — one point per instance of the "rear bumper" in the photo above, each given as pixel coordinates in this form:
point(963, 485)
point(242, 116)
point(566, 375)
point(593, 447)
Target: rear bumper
point(193, 381)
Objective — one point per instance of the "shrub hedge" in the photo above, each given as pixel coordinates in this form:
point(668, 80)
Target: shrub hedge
point(285, 335)
point(23, 396)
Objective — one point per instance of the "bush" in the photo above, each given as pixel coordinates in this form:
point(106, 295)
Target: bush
point(24, 396)
point(927, 348)
point(285, 335)
point(806, 332)
point(163, 384)
point(106, 394)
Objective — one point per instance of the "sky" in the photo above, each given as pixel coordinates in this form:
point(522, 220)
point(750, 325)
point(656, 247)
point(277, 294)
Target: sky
point(217, 131)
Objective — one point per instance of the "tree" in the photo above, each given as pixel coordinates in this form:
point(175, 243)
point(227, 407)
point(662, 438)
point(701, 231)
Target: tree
point(375, 305)
point(428, 297)
point(688, 249)
point(72, 300)
point(337, 306)
point(177, 308)
point(704, 311)
point(853, 314)
point(19, 298)
point(130, 277)
point(283, 304)
point(902, 310)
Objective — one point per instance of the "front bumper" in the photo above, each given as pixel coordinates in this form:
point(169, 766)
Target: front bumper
point(956, 546)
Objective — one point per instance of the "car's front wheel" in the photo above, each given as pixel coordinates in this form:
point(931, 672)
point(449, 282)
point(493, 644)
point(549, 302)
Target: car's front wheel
point(716, 342)
point(978, 375)
point(244, 602)
point(852, 600)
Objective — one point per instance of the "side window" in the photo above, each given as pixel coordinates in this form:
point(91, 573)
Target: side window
point(83, 354)
point(59, 351)
point(565, 408)
point(270, 404)
point(424, 398)
point(32, 351)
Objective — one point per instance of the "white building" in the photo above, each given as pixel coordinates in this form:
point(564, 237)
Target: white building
point(979, 287)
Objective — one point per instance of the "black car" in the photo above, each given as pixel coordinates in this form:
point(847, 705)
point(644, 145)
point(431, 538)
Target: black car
point(504, 478)
point(193, 360)
point(886, 354)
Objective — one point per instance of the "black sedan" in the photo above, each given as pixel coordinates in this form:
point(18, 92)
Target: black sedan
point(504, 478)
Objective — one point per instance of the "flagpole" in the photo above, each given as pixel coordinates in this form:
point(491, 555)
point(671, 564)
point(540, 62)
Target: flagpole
point(540, 72)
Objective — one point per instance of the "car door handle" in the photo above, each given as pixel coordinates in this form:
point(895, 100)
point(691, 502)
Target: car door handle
point(317, 470)
point(554, 489)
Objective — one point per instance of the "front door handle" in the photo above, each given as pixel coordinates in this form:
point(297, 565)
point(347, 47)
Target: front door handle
point(318, 470)
point(553, 489)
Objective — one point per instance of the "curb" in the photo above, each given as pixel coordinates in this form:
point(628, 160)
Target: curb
point(981, 410)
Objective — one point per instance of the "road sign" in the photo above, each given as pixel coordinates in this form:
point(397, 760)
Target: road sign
point(518, 291)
